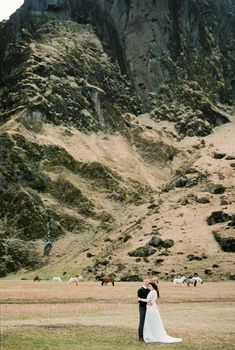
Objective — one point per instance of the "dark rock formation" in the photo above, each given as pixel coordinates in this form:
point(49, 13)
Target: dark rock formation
point(174, 50)
point(232, 222)
point(224, 200)
point(203, 200)
point(230, 157)
point(218, 155)
point(168, 243)
point(216, 188)
point(156, 241)
point(192, 257)
point(218, 216)
point(227, 244)
point(142, 251)
point(181, 182)
point(185, 179)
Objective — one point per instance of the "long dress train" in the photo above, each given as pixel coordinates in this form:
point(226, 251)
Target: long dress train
point(154, 330)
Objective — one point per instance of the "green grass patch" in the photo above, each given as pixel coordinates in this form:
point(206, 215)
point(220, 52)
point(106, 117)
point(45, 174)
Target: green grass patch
point(102, 338)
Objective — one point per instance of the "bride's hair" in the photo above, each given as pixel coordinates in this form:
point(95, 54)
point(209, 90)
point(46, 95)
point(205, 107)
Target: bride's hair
point(156, 288)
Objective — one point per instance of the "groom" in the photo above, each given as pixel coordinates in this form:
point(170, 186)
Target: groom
point(142, 293)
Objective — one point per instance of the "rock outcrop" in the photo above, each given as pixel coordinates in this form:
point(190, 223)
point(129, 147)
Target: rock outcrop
point(95, 97)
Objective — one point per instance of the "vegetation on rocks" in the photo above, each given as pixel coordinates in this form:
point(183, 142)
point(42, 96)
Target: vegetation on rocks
point(95, 128)
point(12, 261)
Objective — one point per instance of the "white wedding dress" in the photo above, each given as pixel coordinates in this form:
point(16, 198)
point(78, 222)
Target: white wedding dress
point(154, 330)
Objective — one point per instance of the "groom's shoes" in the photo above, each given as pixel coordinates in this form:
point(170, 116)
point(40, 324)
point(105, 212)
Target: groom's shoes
point(141, 339)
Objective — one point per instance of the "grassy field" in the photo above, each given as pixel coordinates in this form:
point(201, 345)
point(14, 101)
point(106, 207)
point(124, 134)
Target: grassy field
point(51, 316)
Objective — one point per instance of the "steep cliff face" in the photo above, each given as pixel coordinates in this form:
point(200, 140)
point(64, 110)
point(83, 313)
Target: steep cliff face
point(175, 52)
point(179, 53)
point(96, 97)
point(181, 31)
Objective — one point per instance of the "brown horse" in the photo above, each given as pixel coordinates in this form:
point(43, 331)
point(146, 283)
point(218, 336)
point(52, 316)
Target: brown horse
point(107, 279)
point(36, 278)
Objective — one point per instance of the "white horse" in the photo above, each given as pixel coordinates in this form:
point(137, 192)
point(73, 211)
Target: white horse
point(198, 279)
point(80, 278)
point(73, 280)
point(56, 279)
point(179, 280)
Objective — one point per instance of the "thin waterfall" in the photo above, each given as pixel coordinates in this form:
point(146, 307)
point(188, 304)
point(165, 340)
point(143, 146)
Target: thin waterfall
point(96, 101)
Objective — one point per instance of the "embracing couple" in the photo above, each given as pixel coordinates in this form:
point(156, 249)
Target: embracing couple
point(151, 329)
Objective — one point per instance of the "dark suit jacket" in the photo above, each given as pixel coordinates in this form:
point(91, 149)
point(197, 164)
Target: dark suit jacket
point(142, 293)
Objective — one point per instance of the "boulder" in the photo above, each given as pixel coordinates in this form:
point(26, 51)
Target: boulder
point(181, 181)
point(203, 200)
point(227, 244)
point(155, 241)
point(126, 238)
point(217, 216)
point(216, 188)
point(192, 257)
point(224, 201)
point(218, 155)
point(142, 251)
point(168, 243)
point(232, 222)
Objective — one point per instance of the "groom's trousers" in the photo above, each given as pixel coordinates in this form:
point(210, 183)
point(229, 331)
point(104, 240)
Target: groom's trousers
point(142, 312)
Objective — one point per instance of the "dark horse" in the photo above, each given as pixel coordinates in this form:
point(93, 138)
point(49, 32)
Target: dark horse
point(36, 278)
point(107, 279)
point(191, 280)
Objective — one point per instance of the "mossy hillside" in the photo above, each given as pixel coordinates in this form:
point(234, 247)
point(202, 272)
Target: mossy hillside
point(69, 78)
point(66, 190)
point(97, 174)
point(31, 170)
point(124, 190)
point(11, 260)
point(25, 211)
point(197, 95)
point(71, 222)
point(189, 108)
point(34, 162)
point(154, 150)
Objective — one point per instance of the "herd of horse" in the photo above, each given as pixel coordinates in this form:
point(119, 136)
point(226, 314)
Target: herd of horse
point(58, 279)
point(194, 280)
point(75, 280)
point(72, 280)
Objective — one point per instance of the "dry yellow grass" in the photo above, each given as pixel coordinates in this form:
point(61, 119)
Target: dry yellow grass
point(90, 303)
point(123, 292)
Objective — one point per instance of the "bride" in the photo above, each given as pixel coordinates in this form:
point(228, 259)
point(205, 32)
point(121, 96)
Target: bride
point(154, 330)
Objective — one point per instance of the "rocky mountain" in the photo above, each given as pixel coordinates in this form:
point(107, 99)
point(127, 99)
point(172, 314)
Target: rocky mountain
point(117, 139)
